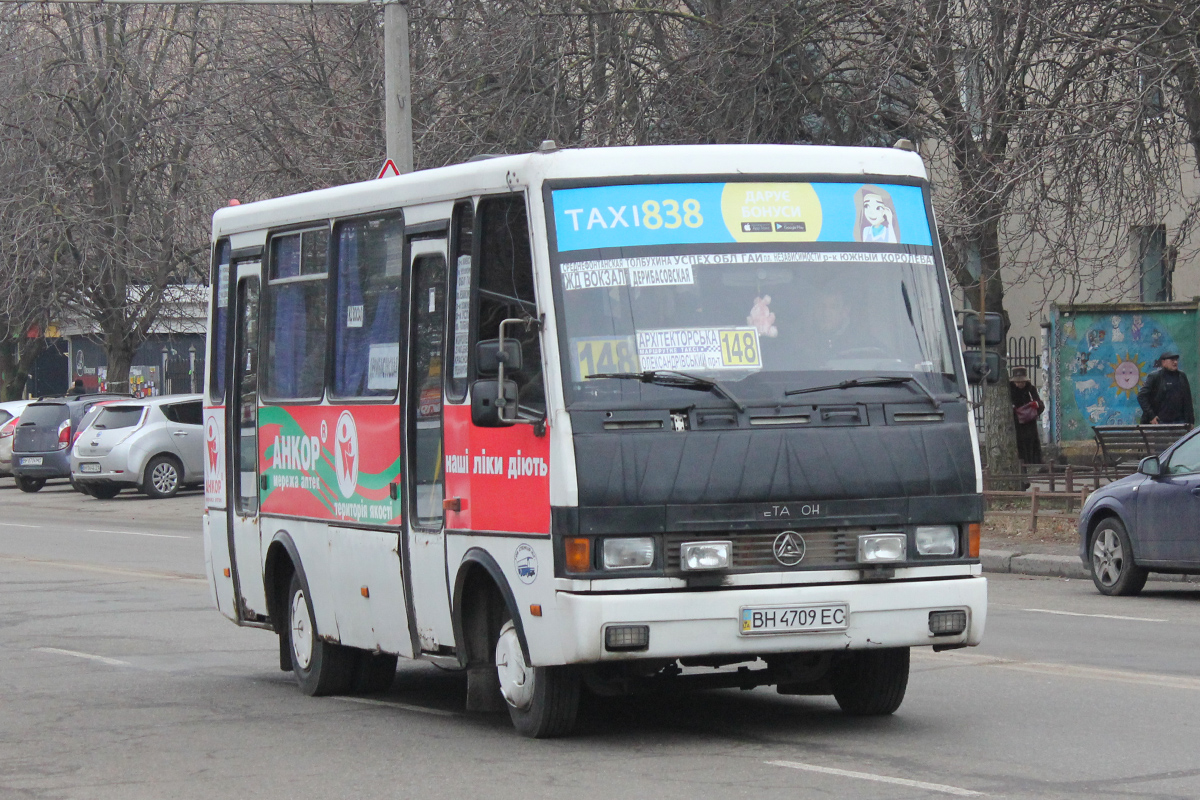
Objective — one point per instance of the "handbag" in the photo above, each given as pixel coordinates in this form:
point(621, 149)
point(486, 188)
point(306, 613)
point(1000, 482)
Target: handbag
point(1028, 412)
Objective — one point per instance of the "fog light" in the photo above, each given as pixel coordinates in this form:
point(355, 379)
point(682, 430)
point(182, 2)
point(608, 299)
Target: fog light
point(627, 637)
point(704, 555)
point(937, 540)
point(877, 548)
point(947, 623)
point(628, 553)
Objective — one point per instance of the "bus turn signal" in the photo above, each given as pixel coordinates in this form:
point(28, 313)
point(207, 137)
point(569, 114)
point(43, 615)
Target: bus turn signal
point(578, 551)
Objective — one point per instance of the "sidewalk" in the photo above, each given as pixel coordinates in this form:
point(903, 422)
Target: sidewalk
point(1058, 560)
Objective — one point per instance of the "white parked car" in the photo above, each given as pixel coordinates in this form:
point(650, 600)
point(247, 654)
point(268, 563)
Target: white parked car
point(9, 413)
point(154, 444)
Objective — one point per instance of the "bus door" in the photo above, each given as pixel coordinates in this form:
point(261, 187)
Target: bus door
point(242, 443)
point(423, 412)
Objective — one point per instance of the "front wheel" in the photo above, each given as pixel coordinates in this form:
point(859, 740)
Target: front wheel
point(320, 667)
point(543, 702)
point(1113, 570)
point(30, 485)
point(871, 682)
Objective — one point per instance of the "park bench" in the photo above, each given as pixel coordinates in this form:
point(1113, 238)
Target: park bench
point(1120, 447)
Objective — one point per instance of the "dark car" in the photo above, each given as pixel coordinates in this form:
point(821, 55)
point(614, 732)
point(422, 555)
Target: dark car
point(1146, 522)
point(43, 438)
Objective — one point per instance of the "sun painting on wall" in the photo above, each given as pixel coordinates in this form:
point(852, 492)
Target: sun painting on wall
point(1127, 374)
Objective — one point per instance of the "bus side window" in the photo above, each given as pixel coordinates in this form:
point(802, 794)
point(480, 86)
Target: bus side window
point(459, 318)
point(506, 289)
point(220, 322)
point(294, 311)
point(366, 322)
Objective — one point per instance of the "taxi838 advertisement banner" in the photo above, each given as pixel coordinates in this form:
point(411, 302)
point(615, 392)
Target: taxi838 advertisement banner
point(331, 462)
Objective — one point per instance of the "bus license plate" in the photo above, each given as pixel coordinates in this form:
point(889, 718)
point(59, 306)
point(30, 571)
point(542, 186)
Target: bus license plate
point(32, 461)
point(795, 619)
point(89, 467)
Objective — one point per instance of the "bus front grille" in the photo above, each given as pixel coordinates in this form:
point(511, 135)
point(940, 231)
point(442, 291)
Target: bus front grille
point(754, 551)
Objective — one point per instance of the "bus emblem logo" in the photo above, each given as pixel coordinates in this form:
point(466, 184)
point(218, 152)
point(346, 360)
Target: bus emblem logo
point(527, 563)
point(789, 548)
point(345, 454)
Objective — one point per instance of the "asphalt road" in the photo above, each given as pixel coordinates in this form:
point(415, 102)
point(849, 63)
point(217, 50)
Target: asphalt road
point(120, 681)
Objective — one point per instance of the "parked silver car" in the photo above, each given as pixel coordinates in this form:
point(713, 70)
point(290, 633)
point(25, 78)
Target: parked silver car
point(155, 445)
point(9, 413)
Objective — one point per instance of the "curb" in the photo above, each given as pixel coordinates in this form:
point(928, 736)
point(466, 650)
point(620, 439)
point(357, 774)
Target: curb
point(1018, 563)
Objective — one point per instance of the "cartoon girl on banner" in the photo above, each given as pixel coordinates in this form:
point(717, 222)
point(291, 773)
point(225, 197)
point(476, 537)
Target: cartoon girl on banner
point(876, 216)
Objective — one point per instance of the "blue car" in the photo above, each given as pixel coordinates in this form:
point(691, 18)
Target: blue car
point(1146, 522)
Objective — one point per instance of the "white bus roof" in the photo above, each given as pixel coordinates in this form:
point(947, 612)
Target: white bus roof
point(517, 172)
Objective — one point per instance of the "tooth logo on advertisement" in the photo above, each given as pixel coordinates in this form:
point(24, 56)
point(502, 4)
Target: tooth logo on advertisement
point(211, 437)
point(345, 454)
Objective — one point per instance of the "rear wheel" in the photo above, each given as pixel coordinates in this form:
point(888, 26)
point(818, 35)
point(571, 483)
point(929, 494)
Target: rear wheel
point(542, 701)
point(30, 485)
point(871, 682)
point(163, 477)
point(320, 667)
point(1113, 570)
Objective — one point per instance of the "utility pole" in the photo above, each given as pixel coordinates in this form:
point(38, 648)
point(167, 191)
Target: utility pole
point(397, 85)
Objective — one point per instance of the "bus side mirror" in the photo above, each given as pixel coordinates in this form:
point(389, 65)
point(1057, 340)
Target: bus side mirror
point(485, 412)
point(1150, 466)
point(992, 329)
point(982, 366)
point(489, 355)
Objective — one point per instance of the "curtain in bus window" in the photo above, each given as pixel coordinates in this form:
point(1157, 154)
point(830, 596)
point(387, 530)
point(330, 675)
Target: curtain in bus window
point(367, 325)
point(296, 350)
point(220, 287)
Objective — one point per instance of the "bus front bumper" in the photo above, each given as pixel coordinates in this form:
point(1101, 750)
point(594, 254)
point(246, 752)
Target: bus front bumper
point(683, 624)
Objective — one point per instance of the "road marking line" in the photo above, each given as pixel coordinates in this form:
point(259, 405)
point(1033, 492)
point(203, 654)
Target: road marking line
point(437, 712)
point(112, 662)
point(867, 776)
point(1072, 671)
point(1098, 616)
point(136, 533)
point(129, 573)
point(18, 525)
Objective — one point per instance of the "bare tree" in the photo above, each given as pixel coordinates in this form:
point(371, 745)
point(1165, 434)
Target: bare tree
point(121, 97)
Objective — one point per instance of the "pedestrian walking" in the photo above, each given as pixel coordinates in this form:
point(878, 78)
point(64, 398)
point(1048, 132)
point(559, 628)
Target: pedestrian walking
point(1027, 407)
point(1166, 396)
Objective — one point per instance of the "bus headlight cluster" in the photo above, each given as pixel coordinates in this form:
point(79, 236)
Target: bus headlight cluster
point(704, 555)
point(937, 540)
point(632, 553)
point(880, 548)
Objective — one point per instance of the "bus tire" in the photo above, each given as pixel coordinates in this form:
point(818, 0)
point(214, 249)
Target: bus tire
point(543, 702)
point(871, 683)
point(374, 672)
point(320, 667)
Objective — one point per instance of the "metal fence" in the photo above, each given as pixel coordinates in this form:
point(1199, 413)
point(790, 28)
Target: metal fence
point(1023, 351)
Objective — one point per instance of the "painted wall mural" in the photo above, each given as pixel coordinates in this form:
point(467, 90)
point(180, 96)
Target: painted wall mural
point(1100, 357)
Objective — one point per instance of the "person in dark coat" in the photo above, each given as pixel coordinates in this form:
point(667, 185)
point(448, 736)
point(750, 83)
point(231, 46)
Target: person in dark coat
point(1166, 396)
point(1021, 392)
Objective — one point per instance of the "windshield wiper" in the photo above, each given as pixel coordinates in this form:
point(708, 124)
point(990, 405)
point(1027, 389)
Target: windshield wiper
point(670, 377)
point(882, 380)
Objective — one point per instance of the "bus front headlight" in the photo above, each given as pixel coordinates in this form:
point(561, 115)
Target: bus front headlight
point(632, 553)
point(880, 548)
point(937, 540)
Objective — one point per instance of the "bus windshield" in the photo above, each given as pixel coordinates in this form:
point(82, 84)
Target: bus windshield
point(768, 287)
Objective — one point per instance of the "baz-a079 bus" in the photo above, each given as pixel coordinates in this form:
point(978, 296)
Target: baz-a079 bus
point(602, 419)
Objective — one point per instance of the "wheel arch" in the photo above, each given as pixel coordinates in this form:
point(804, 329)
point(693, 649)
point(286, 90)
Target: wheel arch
point(480, 582)
point(1099, 516)
point(283, 560)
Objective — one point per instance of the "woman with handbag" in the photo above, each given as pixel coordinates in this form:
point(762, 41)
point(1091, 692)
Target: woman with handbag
point(1027, 407)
